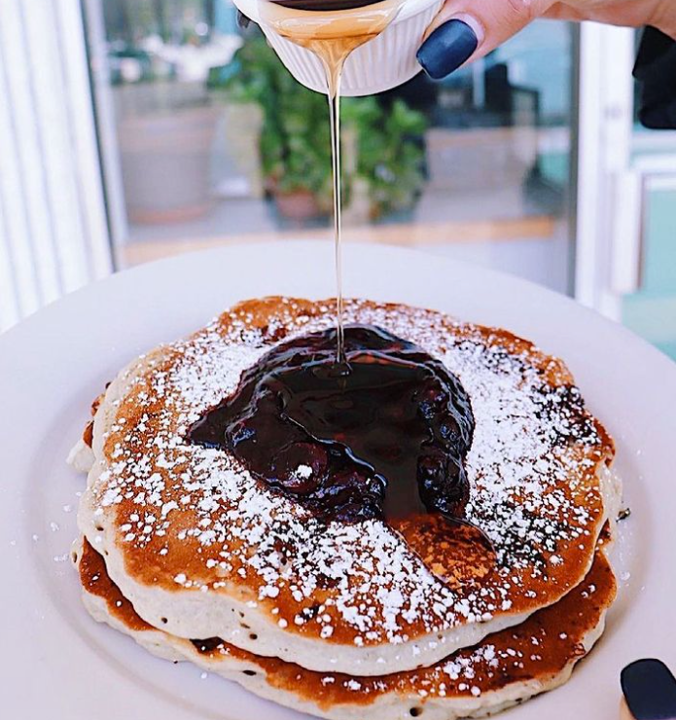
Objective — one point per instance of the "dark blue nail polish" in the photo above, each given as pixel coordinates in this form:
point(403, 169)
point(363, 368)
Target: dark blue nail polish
point(447, 48)
point(649, 689)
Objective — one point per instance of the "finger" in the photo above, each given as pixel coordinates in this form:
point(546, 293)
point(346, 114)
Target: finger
point(466, 30)
point(563, 11)
point(626, 13)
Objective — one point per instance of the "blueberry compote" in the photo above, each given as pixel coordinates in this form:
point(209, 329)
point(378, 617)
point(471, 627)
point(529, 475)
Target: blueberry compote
point(382, 435)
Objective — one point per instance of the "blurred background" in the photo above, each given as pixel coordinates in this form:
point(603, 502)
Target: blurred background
point(132, 130)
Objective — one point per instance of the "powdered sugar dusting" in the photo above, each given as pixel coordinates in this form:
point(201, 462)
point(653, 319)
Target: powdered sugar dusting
point(535, 653)
point(530, 464)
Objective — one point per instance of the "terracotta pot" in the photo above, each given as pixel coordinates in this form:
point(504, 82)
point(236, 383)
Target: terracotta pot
point(297, 205)
point(166, 164)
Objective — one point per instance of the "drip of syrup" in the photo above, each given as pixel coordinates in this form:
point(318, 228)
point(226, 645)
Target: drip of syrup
point(331, 37)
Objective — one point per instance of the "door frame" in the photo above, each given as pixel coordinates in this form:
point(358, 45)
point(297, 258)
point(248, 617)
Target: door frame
point(603, 153)
point(617, 168)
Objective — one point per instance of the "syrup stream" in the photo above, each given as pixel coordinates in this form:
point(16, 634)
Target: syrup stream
point(333, 76)
point(332, 37)
point(351, 445)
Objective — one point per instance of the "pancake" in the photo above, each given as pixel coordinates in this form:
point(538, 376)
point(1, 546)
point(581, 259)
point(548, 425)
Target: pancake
point(505, 669)
point(202, 549)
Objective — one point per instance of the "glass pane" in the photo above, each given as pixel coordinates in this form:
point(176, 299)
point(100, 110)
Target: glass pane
point(651, 310)
point(218, 144)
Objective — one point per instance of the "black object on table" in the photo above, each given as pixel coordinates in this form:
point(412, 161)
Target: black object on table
point(655, 70)
point(649, 689)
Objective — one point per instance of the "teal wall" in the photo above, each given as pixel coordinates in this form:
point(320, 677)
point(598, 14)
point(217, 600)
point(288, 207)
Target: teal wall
point(652, 311)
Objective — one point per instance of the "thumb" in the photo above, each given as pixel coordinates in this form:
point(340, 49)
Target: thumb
point(466, 30)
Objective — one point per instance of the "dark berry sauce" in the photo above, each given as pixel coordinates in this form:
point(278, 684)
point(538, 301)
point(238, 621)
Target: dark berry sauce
point(383, 435)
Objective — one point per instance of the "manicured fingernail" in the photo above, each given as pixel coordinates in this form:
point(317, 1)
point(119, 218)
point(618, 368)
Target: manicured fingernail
point(649, 689)
point(447, 48)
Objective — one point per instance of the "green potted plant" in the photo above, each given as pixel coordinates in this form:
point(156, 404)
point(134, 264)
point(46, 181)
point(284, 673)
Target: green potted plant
point(389, 151)
point(382, 147)
point(294, 138)
point(296, 153)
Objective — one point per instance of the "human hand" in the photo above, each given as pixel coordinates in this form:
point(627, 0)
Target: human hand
point(466, 30)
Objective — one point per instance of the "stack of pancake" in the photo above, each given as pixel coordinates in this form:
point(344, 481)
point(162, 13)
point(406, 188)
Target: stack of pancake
point(196, 559)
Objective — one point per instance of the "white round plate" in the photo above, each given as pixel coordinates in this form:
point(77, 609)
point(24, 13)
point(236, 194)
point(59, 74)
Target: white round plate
point(57, 663)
